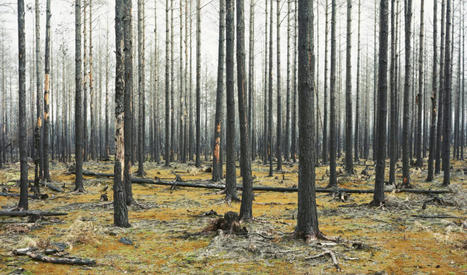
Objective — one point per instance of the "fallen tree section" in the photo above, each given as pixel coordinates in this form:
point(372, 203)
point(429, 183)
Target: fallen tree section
point(265, 188)
point(31, 213)
point(54, 260)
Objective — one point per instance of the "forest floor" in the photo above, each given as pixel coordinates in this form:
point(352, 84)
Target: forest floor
point(166, 227)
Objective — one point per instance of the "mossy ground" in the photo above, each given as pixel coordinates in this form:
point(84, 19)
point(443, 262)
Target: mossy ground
point(164, 231)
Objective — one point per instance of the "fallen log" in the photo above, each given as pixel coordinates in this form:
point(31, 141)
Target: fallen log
point(266, 188)
point(31, 213)
point(438, 217)
point(54, 260)
point(53, 187)
point(3, 194)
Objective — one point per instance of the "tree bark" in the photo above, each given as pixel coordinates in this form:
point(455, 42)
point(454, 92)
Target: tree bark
point(141, 90)
point(167, 87)
point(79, 148)
point(348, 93)
point(420, 98)
point(447, 99)
point(198, 83)
point(270, 92)
point(307, 217)
point(279, 108)
point(439, 126)
point(332, 108)
point(357, 91)
point(325, 90)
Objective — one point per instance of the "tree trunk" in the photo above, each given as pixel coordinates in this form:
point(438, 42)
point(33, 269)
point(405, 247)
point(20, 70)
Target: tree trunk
point(46, 94)
point(198, 83)
point(230, 181)
point(348, 93)
point(279, 108)
point(378, 196)
point(216, 163)
point(141, 91)
point(37, 129)
point(419, 98)
point(325, 78)
point(357, 99)
point(332, 108)
point(406, 111)
point(167, 87)
point(307, 217)
point(120, 208)
point(447, 98)
point(393, 99)
point(270, 93)
point(128, 99)
point(439, 126)
point(251, 82)
point(79, 135)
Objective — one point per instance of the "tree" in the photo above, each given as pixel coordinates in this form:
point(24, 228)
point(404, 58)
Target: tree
point(348, 93)
point(46, 93)
point(393, 99)
point(279, 108)
point(307, 217)
point(216, 163)
point(251, 82)
point(419, 98)
point(357, 99)
point(325, 90)
point(434, 84)
point(141, 115)
point(439, 126)
point(167, 87)
point(22, 138)
point(91, 90)
point(332, 103)
point(128, 99)
point(378, 195)
point(85, 85)
point(406, 110)
point(198, 82)
point(79, 149)
point(447, 98)
point(230, 180)
point(246, 211)
point(37, 129)
point(270, 94)
point(120, 208)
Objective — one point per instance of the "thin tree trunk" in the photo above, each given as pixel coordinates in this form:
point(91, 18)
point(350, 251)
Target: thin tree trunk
point(447, 98)
point(167, 87)
point(357, 99)
point(216, 162)
point(119, 203)
point(348, 93)
point(393, 99)
point(230, 181)
point(439, 126)
point(198, 83)
point(270, 93)
point(332, 109)
point(141, 91)
point(419, 98)
point(378, 196)
point(251, 81)
point(79, 135)
point(325, 100)
point(434, 84)
point(37, 129)
point(279, 108)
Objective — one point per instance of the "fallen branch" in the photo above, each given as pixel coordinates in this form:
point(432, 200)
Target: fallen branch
point(54, 260)
point(438, 217)
point(53, 187)
point(31, 213)
point(331, 254)
point(3, 194)
point(264, 188)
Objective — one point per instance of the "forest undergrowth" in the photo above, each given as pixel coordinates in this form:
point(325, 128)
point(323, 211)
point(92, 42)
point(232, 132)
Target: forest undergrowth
point(412, 233)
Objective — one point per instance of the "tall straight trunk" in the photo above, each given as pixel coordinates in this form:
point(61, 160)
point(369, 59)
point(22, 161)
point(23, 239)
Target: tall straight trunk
point(141, 91)
point(187, 90)
point(406, 111)
point(393, 99)
point(251, 81)
point(167, 87)
point(85, 85)
point(447, 98)
point(216, 161)
point(279, 108)
point(378, 195)
point(270, 92)
point(434, 84)
point(294, 104)
point(439, 126)
point(37, 129)
point(307, 217)
point(462, 137)
point(119, 203)
point(332, 108)
point(107, 122)
point(357, 91)
point(128, 99)
point(22, 135)
point(266, 78)
point(325, 100)
point(287, 101)
point(156, 122)
point(230, 181)
point(190, 91)
point(79, 148)
point(419, 98)
point(45, 139)
point(198, 83)
point(246, 209)
point(348, 93)
point(93, 115)
point(181, 139)
point(172, 84)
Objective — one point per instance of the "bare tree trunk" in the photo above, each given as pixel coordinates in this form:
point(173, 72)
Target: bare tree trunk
point(348, 93)
point(79, 135)
point(91, 89)
point(294, 105)
point(128, 99)
point(419, 98)
point(198, 83)
point(406, 111)
point(251, 81)
point(38, 124)
point(167, 87)
point(46, 95)
point(216, 162)
point(325, 78)
point(172, 84)
point(141, 91)
point(279, 108)
point(119, 203)
point(107, 134)
point(22, 138)
point(270, 93)
point(439, 126)
point(447, 98)
point(378, 195)
point(357, 99)
point(181, 139)
point(332, 108)
point(307, 217)
point(433, 95)
point(85, 85)
point(230, 181)
point(393, 99)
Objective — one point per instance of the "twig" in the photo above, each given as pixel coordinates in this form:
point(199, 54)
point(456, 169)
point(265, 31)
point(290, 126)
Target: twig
point(331, 254)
